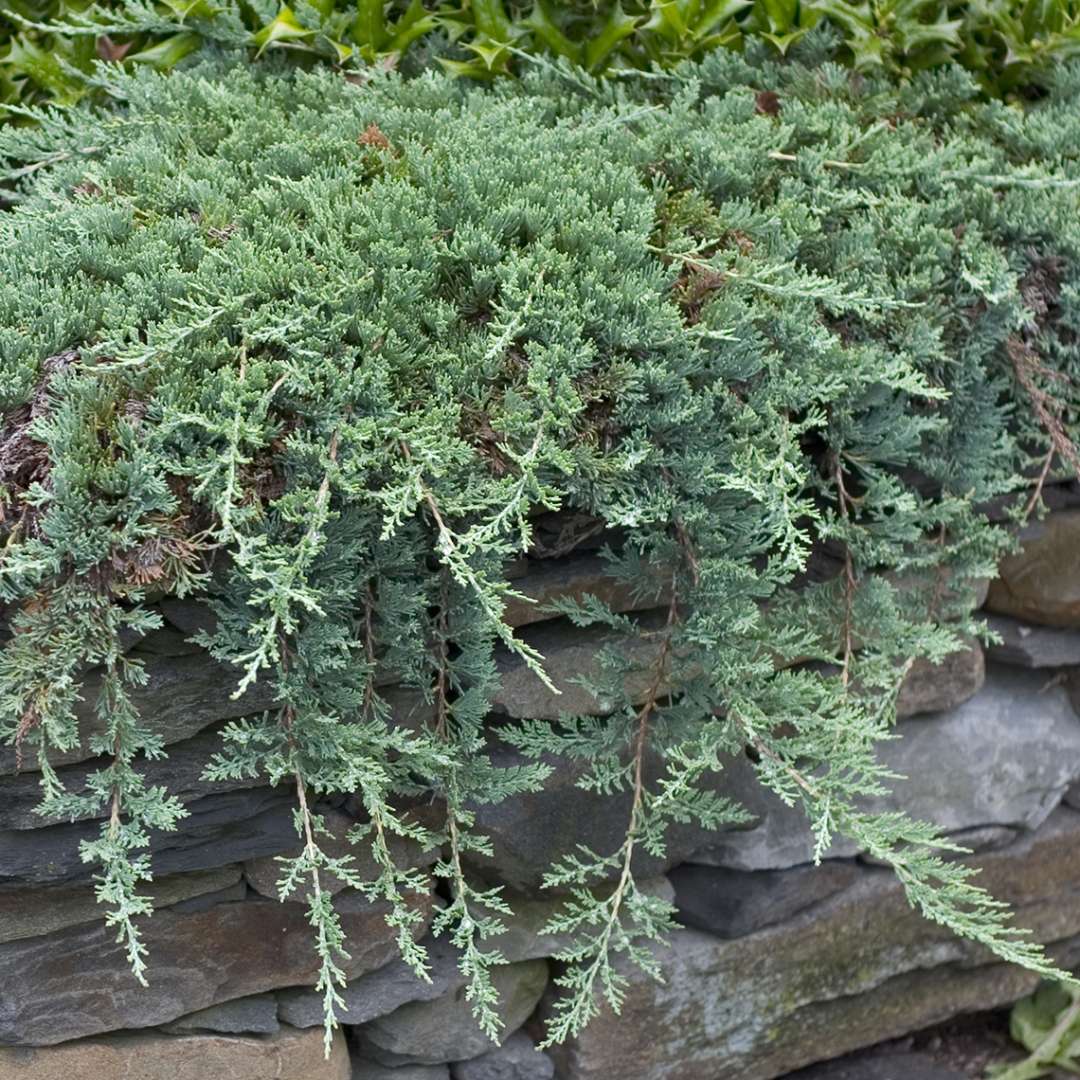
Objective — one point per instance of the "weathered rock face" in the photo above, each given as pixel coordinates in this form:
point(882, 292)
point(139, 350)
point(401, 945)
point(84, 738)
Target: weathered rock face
point(1004, 757)
point(545, 581)
point(891, 1066)
point(256, 1015)
point(853, 970)
point(529, 831)
point(263, 874)
point(289, 1055)
point(733, 903)
point(180, 774)
point(516, 1059)
point(429, 1032)
point(183, 695)
point(931, 688)
point(31, 913)
point(569, 654)
point(77, 982)
point(1041, 583)
point(220, 829)
point(780, 963)
point(1030, 645)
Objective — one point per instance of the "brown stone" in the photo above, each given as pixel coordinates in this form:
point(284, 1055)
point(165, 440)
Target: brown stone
point(28, 913)
point(857, 968)
point(77, 982)
point(289, 1055)
point(545, 581)
point(570, 654)
point(1041, 583)
point(929, 687)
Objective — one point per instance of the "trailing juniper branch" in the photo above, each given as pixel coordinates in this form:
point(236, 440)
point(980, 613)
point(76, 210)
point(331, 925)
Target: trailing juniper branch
point(324, 353)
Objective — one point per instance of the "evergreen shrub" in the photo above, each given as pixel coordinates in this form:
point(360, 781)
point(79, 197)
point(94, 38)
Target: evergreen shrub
point(348, 340)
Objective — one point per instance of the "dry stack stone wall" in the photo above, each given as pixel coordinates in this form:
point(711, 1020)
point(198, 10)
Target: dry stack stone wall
point(778, 964)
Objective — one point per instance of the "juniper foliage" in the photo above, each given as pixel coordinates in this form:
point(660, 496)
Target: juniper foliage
point(341, 344)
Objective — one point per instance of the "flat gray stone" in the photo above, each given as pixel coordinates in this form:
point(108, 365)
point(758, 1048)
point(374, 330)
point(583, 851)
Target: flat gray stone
point(263, 873)
point(533, 829)
point(1005, 757)
point(931, 687)
point(430, 1032)
point(183, 695)
point(77, 982)
point(255, 1015)
point(220, 829)
point(516, 1059)
point(180, 774)
point(732, 903)
point(1031, 645)
point(31, 912)
point(546, 580)
point(379, 992)
point(570, 653)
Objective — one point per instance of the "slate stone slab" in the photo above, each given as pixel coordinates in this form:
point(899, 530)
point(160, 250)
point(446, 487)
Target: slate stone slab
point(1004, 757)
point(516, 1059)
point(430, 1032)
point(255, 1015)
point(220, 829)
point(531, 830)
point(180, 773)
point(77, 982)
point(31, 912)
point(381, 992)
point(183, 695)
point(377, 993)
point(931, 687)
point(288, 1055)
point(732, 903)
point(854, 970)
point(1041, 583)
point(262, 874)
point(1030, 645)
point(573, 578)
point(569, 653)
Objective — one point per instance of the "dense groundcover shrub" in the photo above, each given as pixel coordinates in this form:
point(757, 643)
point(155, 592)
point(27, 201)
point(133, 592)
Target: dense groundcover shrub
point(1010, 44)
point(350, 339)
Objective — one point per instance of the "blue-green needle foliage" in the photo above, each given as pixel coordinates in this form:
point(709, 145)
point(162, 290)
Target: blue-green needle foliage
point(323, 351)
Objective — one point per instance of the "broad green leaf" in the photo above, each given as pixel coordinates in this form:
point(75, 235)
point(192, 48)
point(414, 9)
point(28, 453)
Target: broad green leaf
point(416, 22)
point(168, 53)
point(284, 28)
point(369, 26)
point(491, 19)
point(543, 26)
point(618, 27)
point(716, 12)
point(780, 16)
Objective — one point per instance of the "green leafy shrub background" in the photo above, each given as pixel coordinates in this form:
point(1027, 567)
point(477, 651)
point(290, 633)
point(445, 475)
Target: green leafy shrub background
point(350, 339)
point(1010, 45)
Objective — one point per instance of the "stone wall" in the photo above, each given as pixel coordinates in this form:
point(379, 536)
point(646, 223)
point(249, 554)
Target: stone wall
point(778, 964)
